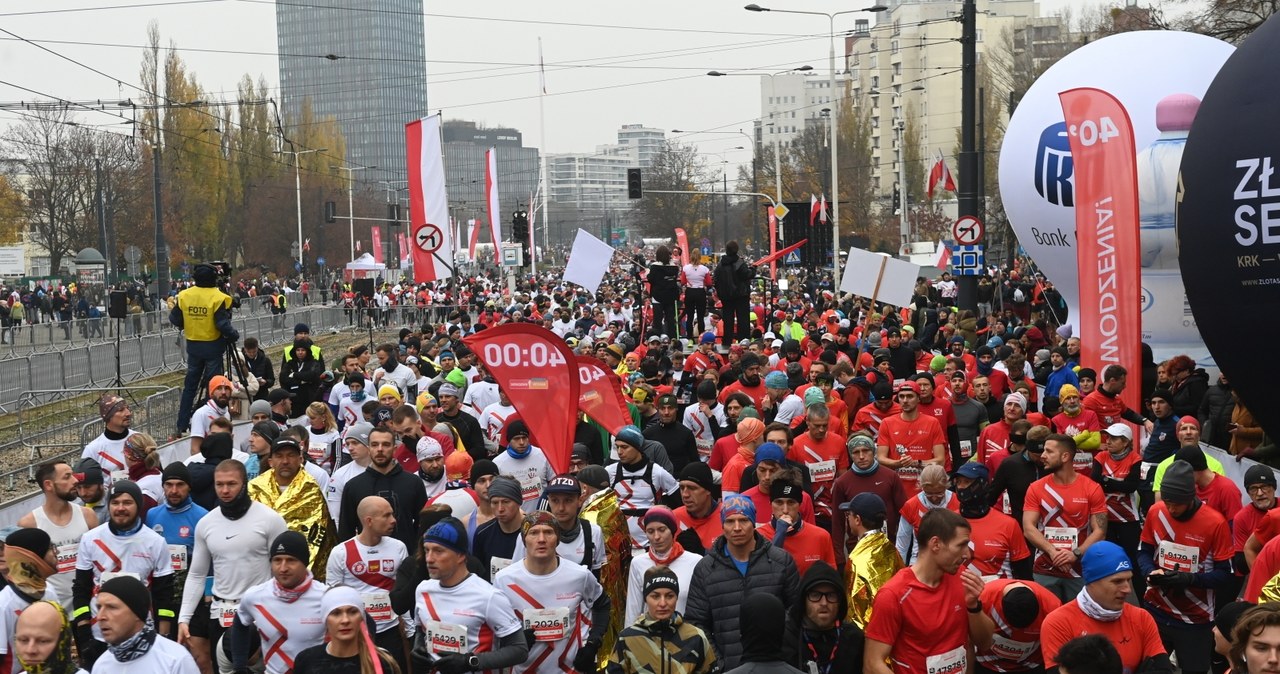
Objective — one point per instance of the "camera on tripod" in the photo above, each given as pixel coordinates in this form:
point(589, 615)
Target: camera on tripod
point(223, 269)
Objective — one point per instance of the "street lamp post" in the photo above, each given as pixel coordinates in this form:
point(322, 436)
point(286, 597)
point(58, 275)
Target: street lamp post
point(831, 83)
point(297, 185)
point(351, 213)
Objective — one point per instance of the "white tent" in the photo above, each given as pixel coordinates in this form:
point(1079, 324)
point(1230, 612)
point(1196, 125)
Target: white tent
point(365, 267)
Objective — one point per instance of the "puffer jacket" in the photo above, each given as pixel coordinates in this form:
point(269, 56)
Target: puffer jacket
point(719, 589)
point(1215, 414)
point(672, 646)
point(1188, 394)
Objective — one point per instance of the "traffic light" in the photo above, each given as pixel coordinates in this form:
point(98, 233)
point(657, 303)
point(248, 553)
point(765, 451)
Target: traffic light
point(520, 230)
point(330, 211)
point(393, 214)
point(635, 188)
point(897, 201)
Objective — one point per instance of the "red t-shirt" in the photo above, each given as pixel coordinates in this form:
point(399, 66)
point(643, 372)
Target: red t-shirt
point(1086, 420)
point(709, 528)
point(870, 417)
point(1265, 567)
point(914, 509)
point(1014, 649)
point(911, 439)
point(1222, 495)
point(811, 544)
point(1243, 525)
point(1107, 408)
point(1120, 507)
point(1064, 511)
point(1268, 526)
point(756, 393)
point(1134, 635)
point(941, 410)
point(996, 540)
point(764, 506)
point(928, 633)
point(826, 459)
point(993, 444)
point(1191, 546)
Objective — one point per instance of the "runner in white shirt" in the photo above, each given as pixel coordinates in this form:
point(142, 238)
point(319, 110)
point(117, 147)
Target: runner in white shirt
point(431, 465)
point(368, 564)
point(526, 463)
point(31, 557)
point(494, 417)
point(120, 547)
point(778, 394)
point(64, 522)
point(581, 542)
point(481, 394)
point(392, 372)
point(219, 397)
point(123, 612)
point(553, 597)
point(349, 407)
point(234, 539)
point(108, 449)
point(357, 445)
point(639, 482)
point(464, 623)
point(285, 610)
point(660, 528)
point(697, 418)
point(341, 391)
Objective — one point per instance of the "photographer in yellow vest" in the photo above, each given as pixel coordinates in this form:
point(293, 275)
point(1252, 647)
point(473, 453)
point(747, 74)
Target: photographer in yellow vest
point(204, 315)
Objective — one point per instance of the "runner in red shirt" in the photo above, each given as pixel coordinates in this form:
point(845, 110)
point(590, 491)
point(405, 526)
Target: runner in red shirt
point(1117, 470)
point(908, 441)
point(929, 633)
point(824, 454)
point(999, 548)
point(933, 494)
point(1018, 609)
point(1101, 608)
point(786, 529)
point(936, 406)
point(1081, 424)
point(749, 382)
point(1063, 514)
point(1186, 556)
point(993, 442)
point(1106, 403)
point(1260, 483)
point(882, 406)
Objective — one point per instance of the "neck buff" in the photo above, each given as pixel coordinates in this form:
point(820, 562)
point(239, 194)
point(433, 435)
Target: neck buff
point(675, 551)
point(1094, 610)
point(279, 418)
point(60, 660)
point(517, 454)
point(985, 369)
point(236, 507)
point(127, 531)
point(181, 507)
point(1121, 455)
point(289, 595)
point(112, 435)
point(28, 574)
point(135, 646)
point(875, 465)
point(973, 500)
point(1191, 510)
point(571, 534)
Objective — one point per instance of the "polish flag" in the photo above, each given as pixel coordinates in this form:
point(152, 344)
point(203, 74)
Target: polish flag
point(943, 258)
point(813, 208)
point(429, 229)
point(940, 175)
point(491, 199)
point(822, 210)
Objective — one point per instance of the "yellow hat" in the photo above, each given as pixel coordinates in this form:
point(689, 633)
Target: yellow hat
point(390, 390)
point(1068, 391)
point(424, 399)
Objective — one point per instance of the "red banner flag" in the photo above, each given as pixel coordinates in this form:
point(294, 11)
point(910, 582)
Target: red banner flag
point(1107, 245)
point(682, 240)
point(375, 233)
point(773, 243)
point(601, 395)
point(538, 372)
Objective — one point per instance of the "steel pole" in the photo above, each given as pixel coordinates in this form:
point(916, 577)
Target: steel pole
point(835, 163)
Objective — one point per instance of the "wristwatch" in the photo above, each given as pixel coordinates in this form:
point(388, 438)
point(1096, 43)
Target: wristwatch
point(473, 662)
point(974, 609)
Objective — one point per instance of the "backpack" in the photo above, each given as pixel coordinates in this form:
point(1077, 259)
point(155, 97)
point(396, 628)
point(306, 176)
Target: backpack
point(645, 477)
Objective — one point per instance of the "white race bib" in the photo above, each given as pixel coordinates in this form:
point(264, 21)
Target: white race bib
point(445, 638)
point(224, 611)
point(548, 624)
point(1145, 469)
point(178, 557)
point(378, 606)
point(953, 661)
point(1008, 649)
point(119, 475)
point(497, 564)
point(530, 487)
point(1172, 556)
point(317, 451)
point(1062, 538)
point(1083, 460)
point(822, 471)
point(66, 555)
point(966, 449)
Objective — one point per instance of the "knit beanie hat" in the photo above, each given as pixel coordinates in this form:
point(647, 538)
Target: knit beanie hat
point(109, 404)
point(631, 435)
point(1068, 391)
point(482, 468)
point(293, 544)
point(132, 592)
point(35, 541)
point(505, 487)
point(458, 465)
point(450, 533)
point(1104, 559)
point(661, 515)
point(259, 407)
point(937, 364)
point(814, 396)
point(748, 430)
point(594, 476)
point(775, 379)
point(1179, 483)
point(126, 487)
point(176, 471)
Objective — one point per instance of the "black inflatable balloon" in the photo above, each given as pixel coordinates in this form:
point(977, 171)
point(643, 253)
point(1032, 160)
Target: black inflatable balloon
point(1228, 221)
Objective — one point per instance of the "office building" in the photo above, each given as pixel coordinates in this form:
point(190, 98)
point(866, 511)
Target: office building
point(375, 82)
point(642, 143)
point(465, 144)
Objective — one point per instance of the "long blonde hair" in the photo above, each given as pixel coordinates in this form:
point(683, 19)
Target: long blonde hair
point(319, 410)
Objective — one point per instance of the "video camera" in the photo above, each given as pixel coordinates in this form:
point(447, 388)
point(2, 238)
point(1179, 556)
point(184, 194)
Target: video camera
point(223, 269)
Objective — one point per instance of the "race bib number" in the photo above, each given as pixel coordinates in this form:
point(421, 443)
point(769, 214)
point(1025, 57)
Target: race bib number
point(1145, 470)
point(497, 564)
point(953, 661)
point(1062, 538)
point(1008, 649)
point(317, 451)
point(1083, 460)
point(530, 487)
point(822, 471)
point(445, 638)
point(548, 624)
point(1172, 556)
point(178, 557)
point(119, 475)
point(67, 557)
point(108, 575)
point(966, 449)
point(378, 606)
point(224, 611)
point(705, 447)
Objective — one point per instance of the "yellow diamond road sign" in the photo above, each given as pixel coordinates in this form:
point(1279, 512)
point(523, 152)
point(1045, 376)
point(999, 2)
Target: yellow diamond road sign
point(781, 211)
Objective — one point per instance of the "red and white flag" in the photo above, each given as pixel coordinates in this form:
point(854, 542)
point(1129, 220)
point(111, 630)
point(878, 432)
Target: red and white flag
point(491, 198)
point(428, 202)
point(943, 256)
point(940, 175)
point(813, 208)
point(473, 237)
point(822, 209)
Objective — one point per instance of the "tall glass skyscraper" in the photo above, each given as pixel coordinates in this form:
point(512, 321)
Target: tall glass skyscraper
point(377, 83)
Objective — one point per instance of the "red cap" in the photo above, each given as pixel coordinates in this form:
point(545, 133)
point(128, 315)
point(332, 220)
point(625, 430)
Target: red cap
point(909, 384)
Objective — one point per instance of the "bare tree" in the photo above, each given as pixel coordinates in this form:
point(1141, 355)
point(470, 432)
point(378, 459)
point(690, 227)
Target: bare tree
point(677, 167)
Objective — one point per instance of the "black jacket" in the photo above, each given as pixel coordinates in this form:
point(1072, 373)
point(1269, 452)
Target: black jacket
point(732, 278)
point(469, 432)
point(404, 491)
point(1188, 394)
point(302, 377)
point(678, 441)
point(835, 651)
point(1214, 414)
point(718, 590)
point(261, 367)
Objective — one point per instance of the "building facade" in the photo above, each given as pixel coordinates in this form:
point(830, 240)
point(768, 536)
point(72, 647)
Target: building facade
point(465, 144)
point(374, 83)
point(643, 143)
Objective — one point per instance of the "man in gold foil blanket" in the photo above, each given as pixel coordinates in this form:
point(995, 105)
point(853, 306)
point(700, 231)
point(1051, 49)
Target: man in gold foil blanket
point(601, 508)
point(290, 491)
point(874, 559)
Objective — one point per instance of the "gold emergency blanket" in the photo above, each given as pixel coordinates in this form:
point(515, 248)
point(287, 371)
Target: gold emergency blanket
point(1270, 591)
point(602, 509)
point(872, 563)
point(303, 508)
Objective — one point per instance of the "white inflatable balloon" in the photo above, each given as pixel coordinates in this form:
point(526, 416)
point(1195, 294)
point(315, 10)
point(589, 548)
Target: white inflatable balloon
point(1036, 180)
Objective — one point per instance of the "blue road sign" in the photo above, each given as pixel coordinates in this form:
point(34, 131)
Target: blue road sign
point(792, 258)
point(968, 260)
point(320, 261)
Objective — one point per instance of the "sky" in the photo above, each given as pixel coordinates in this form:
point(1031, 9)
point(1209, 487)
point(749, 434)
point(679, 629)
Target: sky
point(607, 63)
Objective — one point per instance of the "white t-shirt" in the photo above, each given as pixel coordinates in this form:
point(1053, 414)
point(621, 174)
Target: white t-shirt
point(11, 606)
point(636, 494)
point(554, 607)
point(573, 551)
point(165, 656)
point(450, 617)
point(402, 378)
point(371, 571)
point(789, 408)
point(493, 419)
point(480, 396)
point(464, 502)
point(349, 412)
point(333, 490)
point(533, 472)
point(695, 276)
point(201, 418)
point(286, 628)
point(109, 454)
point(341, 391)
point(696, 421)
point(143, 555)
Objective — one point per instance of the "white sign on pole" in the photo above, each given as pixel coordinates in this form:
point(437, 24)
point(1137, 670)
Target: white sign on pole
point(588, 261)
point(879, 276)
point(13, 261)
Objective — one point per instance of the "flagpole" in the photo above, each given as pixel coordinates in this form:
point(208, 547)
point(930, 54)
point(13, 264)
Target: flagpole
point(542, 163)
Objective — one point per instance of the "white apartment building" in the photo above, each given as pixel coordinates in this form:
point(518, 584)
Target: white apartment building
point(641, 142)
